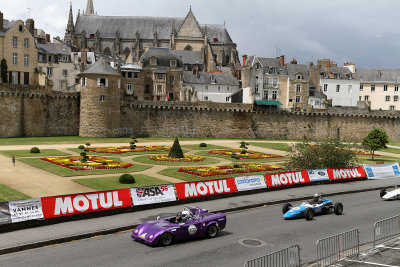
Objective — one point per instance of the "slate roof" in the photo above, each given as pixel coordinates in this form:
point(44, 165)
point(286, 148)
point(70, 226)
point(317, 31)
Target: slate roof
point(268, 63)
point(55, 49)
point(293, 69)
point(342, 73)
point(101, 67)
point(189, 57)
point(372, 75)
point(163, 56)
point(317, 94)
point(208, 78)
point(128, 26)
point(7, 25)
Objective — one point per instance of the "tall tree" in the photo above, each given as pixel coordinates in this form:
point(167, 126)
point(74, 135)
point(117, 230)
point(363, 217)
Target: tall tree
point(176, 150)
point(3, 70)
point(376, 139)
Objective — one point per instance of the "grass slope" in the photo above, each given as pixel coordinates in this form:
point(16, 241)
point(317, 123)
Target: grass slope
point(276, 146)
point(7, 194)
point(28, 154)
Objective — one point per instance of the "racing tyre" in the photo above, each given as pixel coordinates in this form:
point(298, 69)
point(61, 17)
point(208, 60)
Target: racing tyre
point(309, 214)
point(286, 207)
point(212, 231)
point(338, 208)
point(166, 239)
point(382, 192)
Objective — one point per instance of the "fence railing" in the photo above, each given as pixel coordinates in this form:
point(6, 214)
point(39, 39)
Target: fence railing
point(288, 257)
point(386, 229)
point(336, 248)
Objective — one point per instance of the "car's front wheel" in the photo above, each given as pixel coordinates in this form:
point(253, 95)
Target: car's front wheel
point(166, 239)
point(338, 208)
point(212, 231)
point(286, 207)
point(309, 214)
point(382, 192)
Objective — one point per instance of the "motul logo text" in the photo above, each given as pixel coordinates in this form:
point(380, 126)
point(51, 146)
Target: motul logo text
point(345, 174)
point(206, 188)
point(287, 179)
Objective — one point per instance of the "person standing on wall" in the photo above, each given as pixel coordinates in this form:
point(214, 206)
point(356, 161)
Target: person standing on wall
point(13, 160)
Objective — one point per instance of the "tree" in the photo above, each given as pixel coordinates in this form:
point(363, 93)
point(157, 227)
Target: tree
point(3, 70)
point(133, 142)
point(324, 154)
point(176, 150)
point(375, 140)
point(84, 156)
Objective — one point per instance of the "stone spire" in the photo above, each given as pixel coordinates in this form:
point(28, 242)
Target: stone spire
point(89, 8)
point(70, 25)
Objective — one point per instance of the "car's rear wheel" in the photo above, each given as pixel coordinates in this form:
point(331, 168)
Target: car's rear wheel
point(338, 208)
point(286, 207)
point(309, 214)
point(212, 231)
point(382, 192)
point(166, 239)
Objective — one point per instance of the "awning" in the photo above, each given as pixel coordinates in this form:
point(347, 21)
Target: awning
point(268, 103)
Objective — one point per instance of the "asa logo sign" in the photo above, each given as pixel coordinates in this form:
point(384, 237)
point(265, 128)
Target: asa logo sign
point(346, 173)
point(87, 202)
point(205, 188)
point(152, 194)
point(287, 178)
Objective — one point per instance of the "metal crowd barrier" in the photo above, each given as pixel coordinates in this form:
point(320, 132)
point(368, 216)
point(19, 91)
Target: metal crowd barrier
point(336, 248)
point(288, 257)
point(386, 230)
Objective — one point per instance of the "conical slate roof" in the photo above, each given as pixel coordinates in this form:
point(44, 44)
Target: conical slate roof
point(101, 67)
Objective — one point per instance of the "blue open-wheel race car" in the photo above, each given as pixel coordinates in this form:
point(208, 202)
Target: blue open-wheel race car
point(309, 209)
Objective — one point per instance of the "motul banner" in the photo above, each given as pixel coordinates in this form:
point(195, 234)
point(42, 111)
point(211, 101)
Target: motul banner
point(25, 210)
point(205, 188)
point(286, 178)
point(152, 194)
point(346, 173)
point(86, 202)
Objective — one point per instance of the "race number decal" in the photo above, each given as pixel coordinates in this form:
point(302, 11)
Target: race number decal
point(192, 229)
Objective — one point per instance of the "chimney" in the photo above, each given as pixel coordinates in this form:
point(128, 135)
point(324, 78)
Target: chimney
point(197, 72)
point(244, 60)
point(84, 57)
point(379, 73)
point(294, 61)
point(194, 70)
point(1, 21)
point(48, 38)
point(283, 60)
point(30, 25)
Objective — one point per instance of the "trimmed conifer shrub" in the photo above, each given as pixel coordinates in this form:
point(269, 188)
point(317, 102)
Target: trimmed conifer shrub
point(81, 147)
point(203, 145)
point(35, 150)
point(176, 150)
point(127, 179)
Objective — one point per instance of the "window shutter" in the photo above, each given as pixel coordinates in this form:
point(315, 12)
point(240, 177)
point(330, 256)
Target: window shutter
point(119, 84)
point(106, 82)
point(98, 82)
point(82, 81)
point(85, 82)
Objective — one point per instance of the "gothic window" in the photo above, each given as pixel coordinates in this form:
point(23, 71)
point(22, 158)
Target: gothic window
point(227, 59)
point(188, 48)
point(92, 36)
point(127, 51)
point(107, 51)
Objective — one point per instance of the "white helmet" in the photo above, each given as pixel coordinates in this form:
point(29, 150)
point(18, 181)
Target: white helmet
point(185, 214)
point(316, 196)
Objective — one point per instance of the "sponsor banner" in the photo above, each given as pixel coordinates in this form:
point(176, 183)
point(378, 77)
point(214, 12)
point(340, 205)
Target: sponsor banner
point(244, 183)
point(382, 171)
point(286, 178)
point(86, 202)
point(318, 175)
point(5, 215)
point(25, 210)
point(346, 173)
point(152, 194)
point(205, 188)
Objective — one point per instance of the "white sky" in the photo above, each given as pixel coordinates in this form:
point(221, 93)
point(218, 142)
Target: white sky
point(366, 32)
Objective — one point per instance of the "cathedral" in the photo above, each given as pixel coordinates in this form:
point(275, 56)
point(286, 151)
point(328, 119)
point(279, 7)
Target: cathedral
point(122, 36)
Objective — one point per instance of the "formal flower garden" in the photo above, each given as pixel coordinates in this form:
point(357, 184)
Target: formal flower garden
point(248, 155)
point(228, 169)
point(127, 149)
point(93, 163)
point(361, 153)
point(187, 158)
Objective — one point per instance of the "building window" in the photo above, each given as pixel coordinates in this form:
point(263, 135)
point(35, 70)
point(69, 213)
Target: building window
point(219, 88)
point(387, 98)
point(385, 88)
point(26, 43)
point(153, 62)
point(65, 73)
point(21, 28)
point(159, 77)
point(171, 79)
point(129, 88)
point(325, 87)
point(366, 98)
point(206, 98)
point(396, 88)
point(15, 59)
point(159, 89)
point(256, 89)
point(274, 95)
point(299, 77)
point(26, 60)
point(102, 82)
point(396, 98)
point(227, 88)
point(298, 87)
point(129, 74)
point(49, 72)
point(135, 75)
point(148, 75)
point(350, 89)
point(206, 87)
point(392, 108)
point(337, 88)
point(275, 82)
point(14, 77)
point(15, 41)
point(298, 99)
point(265, 95)
point(257, 77)
point(227, 99)
point(372, 88)
point(119, 84)
point(102, 98)
point(361, 87)
point(173, 63)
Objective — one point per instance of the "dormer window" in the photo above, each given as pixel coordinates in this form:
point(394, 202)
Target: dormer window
point(215, 40)
point(173, 63)
point(299, 77)
point(153, 62)
point(92, 36)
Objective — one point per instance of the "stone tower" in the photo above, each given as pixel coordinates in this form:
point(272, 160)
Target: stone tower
point(70, 31)
point(89, 8)
point(100, 101)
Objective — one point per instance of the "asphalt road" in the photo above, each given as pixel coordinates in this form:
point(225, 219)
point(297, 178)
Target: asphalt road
point(265, 224)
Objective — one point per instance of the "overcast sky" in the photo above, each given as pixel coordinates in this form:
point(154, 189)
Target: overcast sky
point(366, 32)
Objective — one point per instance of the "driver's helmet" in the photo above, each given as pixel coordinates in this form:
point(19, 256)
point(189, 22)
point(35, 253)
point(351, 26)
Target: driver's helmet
point(185, 214)
point(179, 215)
point(316, 197)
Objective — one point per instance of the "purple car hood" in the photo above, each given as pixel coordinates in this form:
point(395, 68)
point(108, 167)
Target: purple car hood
point(153, 228)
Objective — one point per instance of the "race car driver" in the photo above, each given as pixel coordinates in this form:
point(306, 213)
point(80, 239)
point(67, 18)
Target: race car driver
point(182, 217)
point(316, 199)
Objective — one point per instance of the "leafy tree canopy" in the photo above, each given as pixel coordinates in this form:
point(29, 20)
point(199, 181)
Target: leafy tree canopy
point(376, 139)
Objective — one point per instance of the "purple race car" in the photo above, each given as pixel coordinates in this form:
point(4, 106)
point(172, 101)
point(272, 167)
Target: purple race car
point(198, 223)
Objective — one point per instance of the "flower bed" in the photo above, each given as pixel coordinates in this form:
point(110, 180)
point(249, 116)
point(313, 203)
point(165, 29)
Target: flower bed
point(355, 152)
point(93, 163)
point(127, 149)
point(187, 158)
point(228, 169)
point(249, 155)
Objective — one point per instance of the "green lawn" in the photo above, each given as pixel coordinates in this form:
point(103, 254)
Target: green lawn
point(385, 159)
point(113, 154)
point(209, 147)
point(205, 153)
point(276, 146)
point(111, 183)
point(207, 161)
point(7, 194)
point(62, 171)
point(173, 172)
point(27, 153)
point(390, 150)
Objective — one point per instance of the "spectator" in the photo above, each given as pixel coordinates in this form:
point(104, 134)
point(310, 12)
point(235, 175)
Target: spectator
point(13, 160)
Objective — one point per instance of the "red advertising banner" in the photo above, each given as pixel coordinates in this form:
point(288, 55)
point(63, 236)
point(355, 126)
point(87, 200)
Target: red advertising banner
point(286, 179)
point(86, 202)
point(346, 173)
point(205, 188)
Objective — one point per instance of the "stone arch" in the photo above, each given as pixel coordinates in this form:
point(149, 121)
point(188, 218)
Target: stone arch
point(127, 52)
point(188, 48)
point(107, 51)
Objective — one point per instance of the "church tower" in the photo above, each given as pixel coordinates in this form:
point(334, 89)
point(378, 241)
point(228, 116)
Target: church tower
point(89, 8)
point(70, 31)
